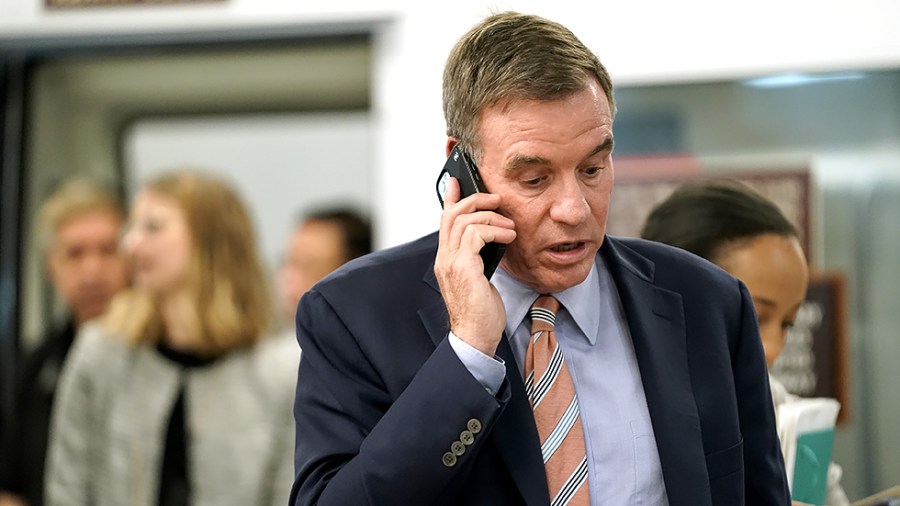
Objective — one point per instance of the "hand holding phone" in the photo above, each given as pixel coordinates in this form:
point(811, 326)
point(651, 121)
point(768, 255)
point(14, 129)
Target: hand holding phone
point(460, 166)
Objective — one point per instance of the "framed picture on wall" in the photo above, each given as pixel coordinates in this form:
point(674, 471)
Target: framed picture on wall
point(638, 191)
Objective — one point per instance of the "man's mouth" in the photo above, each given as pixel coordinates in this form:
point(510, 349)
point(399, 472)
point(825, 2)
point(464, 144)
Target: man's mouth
point(569, 246)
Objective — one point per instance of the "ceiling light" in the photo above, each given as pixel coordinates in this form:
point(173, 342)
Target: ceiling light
point(800, 79)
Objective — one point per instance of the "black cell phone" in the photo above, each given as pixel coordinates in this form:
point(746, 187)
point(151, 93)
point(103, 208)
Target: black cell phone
point(460, 166)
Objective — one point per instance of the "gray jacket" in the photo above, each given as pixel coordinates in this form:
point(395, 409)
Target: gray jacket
point(111, 415)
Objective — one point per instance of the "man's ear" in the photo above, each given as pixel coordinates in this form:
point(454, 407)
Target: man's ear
point(451, 143)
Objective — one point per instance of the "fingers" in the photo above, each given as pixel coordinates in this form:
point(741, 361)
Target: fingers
point(477, 211)
point(452, 194)
point(476, 312)
point(467, 225)
point(462, 239)
point(481, 227)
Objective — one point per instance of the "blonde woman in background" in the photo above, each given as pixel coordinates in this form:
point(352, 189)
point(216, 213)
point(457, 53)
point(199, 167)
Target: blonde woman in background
point(732, 226)
point(177, 396)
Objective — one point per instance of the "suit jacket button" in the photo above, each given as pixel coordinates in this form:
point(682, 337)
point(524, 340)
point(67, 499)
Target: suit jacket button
point(457, 448)
point(474, 426)
point(449, 459)
point(466, 437)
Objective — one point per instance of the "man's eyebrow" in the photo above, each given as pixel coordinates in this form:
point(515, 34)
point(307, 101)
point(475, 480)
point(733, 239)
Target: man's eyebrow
point(520, 161)
point(605, 145)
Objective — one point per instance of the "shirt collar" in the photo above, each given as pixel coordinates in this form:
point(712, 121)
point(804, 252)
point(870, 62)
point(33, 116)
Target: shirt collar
point(581, 301)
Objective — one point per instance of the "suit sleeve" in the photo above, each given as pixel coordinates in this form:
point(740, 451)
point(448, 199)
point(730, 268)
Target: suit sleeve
point(765, 480)
point(362, 440)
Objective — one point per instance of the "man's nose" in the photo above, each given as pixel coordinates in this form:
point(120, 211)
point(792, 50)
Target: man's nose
point(569, 204)
point(93, 263)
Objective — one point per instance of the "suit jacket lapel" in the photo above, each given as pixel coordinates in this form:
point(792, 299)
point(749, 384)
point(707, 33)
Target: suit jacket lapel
point(514, 434)
point(656, 322)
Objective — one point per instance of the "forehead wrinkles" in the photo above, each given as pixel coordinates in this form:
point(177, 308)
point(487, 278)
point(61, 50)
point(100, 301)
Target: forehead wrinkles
point(519, 161)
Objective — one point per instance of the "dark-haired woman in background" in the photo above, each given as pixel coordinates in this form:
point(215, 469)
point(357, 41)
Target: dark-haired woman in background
point(747, 235)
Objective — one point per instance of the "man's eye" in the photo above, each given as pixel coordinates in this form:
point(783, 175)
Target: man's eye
point(593, 171)
point(73, 253)
point(534, 181)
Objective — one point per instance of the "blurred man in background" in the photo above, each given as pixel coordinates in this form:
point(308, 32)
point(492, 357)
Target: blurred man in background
point(78, 227)
point(322, 240)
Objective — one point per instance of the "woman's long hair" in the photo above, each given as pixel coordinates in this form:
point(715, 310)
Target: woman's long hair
point(230, 299)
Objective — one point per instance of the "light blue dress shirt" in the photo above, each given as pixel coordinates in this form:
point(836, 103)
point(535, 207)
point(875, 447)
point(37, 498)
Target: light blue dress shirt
point(623, 461)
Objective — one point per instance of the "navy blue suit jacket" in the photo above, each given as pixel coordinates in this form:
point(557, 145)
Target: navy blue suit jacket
point(381, 395)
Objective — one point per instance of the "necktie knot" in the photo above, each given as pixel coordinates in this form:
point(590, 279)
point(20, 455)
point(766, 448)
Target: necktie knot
point(543, 313)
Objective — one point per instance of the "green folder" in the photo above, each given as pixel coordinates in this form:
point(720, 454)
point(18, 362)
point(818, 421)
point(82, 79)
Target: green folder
point(810, 482)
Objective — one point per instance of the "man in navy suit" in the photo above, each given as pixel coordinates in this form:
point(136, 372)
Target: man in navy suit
point(411, 389)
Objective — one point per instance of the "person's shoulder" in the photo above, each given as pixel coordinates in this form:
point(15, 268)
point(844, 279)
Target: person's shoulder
point(98, 357)
point(95, 347)
point(50, 352)
point(421, 250)
point(394, 265)
point(661, 253)
point(676, 269)
point(671, 264)
point(94, 342)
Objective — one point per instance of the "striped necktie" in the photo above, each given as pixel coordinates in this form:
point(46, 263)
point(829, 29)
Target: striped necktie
point(552, 395)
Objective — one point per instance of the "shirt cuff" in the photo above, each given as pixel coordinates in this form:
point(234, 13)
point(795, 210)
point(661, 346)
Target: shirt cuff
point(489, 371)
